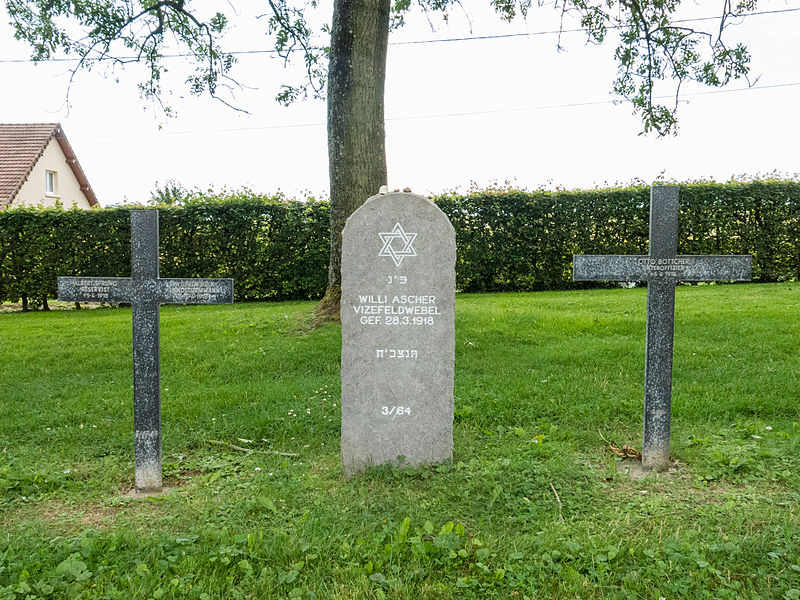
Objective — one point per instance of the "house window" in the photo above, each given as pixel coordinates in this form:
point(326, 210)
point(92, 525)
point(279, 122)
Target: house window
point(50, 183)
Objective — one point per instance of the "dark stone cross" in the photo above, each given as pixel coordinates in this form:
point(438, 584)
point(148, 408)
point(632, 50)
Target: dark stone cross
point(145, 291)
point(663, 268)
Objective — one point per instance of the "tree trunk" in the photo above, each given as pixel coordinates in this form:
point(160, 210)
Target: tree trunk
point(356, 133)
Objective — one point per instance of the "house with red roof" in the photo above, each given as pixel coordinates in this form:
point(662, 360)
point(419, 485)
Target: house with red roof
point(39, 168)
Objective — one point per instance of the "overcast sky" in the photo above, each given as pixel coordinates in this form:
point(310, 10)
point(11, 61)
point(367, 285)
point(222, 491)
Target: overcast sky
point(483, 110)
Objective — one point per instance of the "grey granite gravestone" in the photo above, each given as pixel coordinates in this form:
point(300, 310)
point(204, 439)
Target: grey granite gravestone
point(398, 333)
point(662, 268)
point(145, 291)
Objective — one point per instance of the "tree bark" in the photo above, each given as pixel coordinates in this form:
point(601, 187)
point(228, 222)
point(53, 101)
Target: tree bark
point(356, 132)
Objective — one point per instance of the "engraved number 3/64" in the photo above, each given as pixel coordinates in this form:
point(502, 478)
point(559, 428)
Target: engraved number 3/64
point(395, 411)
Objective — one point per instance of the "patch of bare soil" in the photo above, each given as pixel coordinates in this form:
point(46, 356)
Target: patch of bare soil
point(72, 517)
point(634, 469)
point(11, 307)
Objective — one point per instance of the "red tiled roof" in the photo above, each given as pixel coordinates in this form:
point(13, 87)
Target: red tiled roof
point(21, 146)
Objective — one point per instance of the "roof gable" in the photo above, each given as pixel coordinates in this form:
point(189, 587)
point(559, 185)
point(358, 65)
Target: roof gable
point(21, 146)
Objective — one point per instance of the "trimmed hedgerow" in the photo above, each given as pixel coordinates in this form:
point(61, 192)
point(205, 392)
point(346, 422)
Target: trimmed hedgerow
point(522, 241)
point(274, 249)
point(507, 240)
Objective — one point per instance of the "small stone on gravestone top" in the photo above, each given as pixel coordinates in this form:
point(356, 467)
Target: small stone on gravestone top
point(398, 333)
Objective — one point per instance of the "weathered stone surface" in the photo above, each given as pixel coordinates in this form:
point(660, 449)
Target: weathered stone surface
point(195, 291)
point(398, 333)
point(94, 289)
point(145, 291)
point(662, 269)
point(608, 267)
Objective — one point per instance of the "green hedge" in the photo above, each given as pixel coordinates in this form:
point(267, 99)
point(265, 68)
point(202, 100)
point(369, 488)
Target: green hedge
point(519, 241)
point(507, 240)
point(273, 248)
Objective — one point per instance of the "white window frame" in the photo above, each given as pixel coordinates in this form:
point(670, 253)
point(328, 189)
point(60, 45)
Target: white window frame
point(51, 183)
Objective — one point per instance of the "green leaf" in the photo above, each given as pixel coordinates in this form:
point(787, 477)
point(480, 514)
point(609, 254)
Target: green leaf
point(245, 566)
point(288, 576)
point(378, 578)
point(73, 569)
point(402, 534)
point(267, 504)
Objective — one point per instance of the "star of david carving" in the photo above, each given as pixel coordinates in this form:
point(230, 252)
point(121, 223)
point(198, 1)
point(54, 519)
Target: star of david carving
point(403, 239)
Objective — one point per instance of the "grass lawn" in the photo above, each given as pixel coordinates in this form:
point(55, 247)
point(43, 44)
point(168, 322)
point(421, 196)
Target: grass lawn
point(534, 505)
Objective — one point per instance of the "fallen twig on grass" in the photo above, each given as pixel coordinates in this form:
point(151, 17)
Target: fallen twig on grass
point(250, 450)
point(239, 448)
point(560, 515)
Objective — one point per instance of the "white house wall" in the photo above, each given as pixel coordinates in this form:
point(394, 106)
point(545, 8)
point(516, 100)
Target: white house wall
point(68, 190)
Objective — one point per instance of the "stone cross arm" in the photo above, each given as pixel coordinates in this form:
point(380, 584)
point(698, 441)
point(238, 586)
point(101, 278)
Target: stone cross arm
point(162, 291)
point(94, 289)
point(616, 267)
point(195, 291)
